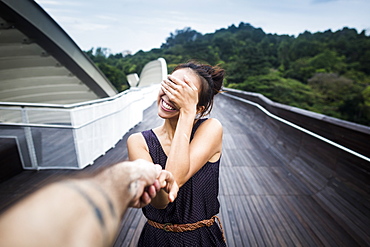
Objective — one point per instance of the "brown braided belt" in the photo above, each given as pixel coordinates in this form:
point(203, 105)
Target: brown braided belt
point(169, 227)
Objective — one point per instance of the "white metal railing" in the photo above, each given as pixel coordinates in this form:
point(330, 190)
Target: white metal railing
point(72, 136)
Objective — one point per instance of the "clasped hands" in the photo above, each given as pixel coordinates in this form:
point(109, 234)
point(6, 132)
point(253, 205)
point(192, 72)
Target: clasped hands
point(147, 179)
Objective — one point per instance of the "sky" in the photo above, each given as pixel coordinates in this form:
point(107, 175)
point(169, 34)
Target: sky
point(133, 25)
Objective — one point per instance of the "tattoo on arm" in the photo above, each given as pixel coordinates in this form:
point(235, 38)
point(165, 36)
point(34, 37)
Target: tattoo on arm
point(97, 210)
point(109, 201)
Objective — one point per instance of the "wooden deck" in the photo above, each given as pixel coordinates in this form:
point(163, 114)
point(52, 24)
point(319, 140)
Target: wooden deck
point(266, 199)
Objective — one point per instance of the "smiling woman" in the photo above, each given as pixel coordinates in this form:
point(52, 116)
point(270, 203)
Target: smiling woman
point(189, 146)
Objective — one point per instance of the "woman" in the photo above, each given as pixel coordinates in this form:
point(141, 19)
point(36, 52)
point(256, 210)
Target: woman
point(188, 146)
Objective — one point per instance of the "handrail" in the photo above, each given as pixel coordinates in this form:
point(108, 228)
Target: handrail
point(351, 135)
point(300, 128)
point(67, 106)
point(63, 126)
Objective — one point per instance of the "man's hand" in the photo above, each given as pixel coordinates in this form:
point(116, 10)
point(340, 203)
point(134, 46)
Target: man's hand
point(146, 180)
point(143, 182)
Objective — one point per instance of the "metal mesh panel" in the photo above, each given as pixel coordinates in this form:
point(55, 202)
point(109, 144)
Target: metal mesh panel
point(48, 116)
point(54, 147)
point(10, 115)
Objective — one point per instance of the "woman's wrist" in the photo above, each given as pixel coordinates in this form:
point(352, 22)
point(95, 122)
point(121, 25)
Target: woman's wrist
point(191, 112)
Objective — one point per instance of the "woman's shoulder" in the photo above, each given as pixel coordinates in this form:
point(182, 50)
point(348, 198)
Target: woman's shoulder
point(211, 122)
point(135, 138)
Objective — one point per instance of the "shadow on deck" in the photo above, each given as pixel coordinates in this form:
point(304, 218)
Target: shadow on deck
point(273, 192)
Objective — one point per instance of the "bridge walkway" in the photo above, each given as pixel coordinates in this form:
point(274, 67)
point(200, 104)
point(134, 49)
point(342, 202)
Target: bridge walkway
point(264, 200)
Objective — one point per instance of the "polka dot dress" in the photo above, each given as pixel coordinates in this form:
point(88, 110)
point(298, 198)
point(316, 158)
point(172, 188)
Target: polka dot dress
point(196, 201)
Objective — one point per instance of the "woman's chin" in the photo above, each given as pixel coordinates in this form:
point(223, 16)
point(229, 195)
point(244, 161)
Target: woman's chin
point(167, 114)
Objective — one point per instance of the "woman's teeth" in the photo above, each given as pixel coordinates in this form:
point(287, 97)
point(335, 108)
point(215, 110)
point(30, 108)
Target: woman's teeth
point(167, 106)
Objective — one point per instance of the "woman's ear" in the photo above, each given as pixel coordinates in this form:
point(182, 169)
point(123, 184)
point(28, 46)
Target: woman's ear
point(200, 109)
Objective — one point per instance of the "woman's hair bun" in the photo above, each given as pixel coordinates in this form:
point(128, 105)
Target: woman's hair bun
point(217, 74)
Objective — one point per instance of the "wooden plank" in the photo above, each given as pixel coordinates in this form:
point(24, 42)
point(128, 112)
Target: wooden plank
point(226, 220)
point(334, 231)
point(306, 234)
point(250, 236)
point(225, 180)
point(233, 219)
point(312, 221)
point(355, 224)
point(258, 222)
point(288, 227)
point(137, 231)
point(278, 223)
point(256, 200)
point(127, 221)
point(133, 229)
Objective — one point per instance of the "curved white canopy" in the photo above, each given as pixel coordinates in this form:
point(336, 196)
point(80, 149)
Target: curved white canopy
point(40, 63)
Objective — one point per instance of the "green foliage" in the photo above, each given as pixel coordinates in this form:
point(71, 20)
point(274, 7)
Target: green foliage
point(181, 37)
point(340, 95)
point(366, 95)
point(325, 62)
point(115, 76)
point(326, 72)
point(283, 90)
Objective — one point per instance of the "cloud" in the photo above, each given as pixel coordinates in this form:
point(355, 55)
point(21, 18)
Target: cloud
point(323, 1)
point(107, 18)
point(58, 3)
point(84, 26)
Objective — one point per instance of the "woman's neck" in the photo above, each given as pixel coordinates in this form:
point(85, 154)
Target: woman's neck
point(169, 128)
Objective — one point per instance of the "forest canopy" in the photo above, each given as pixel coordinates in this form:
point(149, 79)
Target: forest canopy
point(325, 72)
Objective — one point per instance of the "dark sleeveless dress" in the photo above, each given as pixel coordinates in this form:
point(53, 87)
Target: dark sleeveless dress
point(196, 200)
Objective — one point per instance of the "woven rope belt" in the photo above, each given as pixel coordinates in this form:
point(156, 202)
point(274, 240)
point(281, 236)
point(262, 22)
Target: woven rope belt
point(169, 227)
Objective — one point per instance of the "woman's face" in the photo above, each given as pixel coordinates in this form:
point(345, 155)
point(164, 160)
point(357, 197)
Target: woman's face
point(166, 109)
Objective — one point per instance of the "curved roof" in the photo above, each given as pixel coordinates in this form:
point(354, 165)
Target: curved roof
point(40, 63)
point(153, 72)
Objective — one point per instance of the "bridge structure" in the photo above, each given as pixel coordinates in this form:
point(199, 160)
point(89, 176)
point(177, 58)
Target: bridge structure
point(52, 93)
point(288, 177)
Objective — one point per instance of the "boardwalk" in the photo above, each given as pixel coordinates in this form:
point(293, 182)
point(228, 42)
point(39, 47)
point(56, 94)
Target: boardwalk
point(264, 201)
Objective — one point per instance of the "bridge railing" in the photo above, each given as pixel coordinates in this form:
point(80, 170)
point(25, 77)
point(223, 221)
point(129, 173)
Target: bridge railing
point(334, 149)
point(351, 135)
point(72, 136)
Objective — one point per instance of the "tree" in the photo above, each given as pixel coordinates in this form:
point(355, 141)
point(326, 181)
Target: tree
point(326, 62)
point(181, 37)
point(341, 95)
point(114, 75)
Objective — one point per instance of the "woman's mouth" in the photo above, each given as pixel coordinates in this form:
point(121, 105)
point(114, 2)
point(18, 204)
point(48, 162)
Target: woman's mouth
point(167, 107)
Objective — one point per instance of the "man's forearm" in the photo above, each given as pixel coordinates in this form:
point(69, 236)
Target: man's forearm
point(82, 212)
point(117, 185)
point(74, 213)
